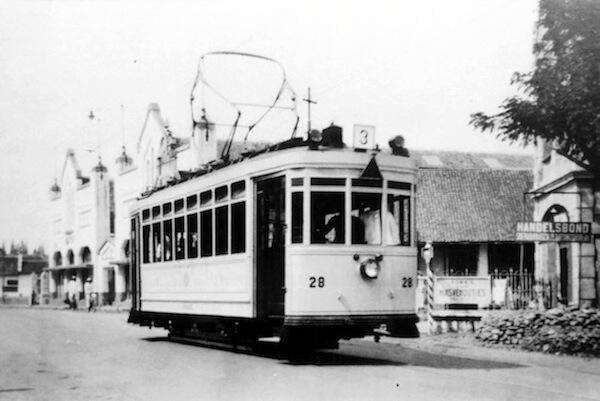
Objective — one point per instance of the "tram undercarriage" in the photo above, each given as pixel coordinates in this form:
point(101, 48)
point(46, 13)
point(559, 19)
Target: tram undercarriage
point(294, 332)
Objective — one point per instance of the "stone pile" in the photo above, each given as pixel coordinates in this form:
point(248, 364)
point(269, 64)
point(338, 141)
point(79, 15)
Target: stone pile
point(570, 331)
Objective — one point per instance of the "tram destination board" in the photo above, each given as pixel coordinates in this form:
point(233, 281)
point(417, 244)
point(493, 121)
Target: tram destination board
point(554, 231)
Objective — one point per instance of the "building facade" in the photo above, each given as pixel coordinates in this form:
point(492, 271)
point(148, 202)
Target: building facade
point(21, 278)
point(564, 192)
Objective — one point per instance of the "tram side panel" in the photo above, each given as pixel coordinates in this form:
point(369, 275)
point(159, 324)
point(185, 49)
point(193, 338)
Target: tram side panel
point(221, 286)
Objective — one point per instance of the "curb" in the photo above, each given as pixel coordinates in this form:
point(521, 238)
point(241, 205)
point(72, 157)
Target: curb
point(65, 308)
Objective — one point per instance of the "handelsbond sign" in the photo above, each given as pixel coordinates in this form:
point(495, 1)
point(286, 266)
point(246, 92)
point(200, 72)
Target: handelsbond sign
point(549, 231)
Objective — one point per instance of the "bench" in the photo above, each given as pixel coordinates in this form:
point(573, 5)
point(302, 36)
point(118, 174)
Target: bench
point(457, 315)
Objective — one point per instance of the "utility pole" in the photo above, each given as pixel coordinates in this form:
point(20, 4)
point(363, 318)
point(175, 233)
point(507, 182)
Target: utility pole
point(309, 101)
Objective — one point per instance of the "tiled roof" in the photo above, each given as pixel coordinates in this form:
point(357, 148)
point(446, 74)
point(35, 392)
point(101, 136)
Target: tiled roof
point(470, 205)
point(469, 160)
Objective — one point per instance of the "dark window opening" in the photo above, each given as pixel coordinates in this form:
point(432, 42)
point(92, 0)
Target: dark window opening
point(328, 181)
point(366, 218)
point(178, 205)
point(192, 239)
point(179, 238)
point(238, 189)
point(205, 198)
point(168, 240)
point(206, 233)
point(147, 249)
point(238, 227)
point(191, 201)
point(155, 212)
point(297, 182)
point(221, 193)
point(327, 218)
point(145, 214)
point(397, 230)
point(221, 230)
point(297, 217)
point(167, 208)
point(156, 242)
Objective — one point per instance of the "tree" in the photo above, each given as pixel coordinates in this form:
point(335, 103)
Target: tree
point(559, 101)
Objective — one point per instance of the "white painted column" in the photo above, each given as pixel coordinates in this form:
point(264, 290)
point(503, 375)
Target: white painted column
point(119, 281)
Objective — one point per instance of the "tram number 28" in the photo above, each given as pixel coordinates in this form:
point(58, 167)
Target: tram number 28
point(314, 282)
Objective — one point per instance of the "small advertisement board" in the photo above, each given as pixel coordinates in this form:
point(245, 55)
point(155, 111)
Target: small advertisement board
point(463, 290)
point(573, 231)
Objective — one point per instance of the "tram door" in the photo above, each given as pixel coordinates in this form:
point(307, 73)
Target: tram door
point(270, 246)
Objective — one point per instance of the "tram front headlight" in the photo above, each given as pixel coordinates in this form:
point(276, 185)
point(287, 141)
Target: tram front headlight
point(369, 268)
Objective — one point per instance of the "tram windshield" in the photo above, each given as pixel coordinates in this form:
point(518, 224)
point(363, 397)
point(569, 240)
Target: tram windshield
point(372, 222)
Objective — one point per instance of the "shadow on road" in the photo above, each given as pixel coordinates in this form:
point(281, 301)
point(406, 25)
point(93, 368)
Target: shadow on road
point(355, 354)
point(15, 390)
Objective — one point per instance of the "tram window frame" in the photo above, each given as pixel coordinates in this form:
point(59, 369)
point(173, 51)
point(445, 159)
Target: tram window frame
point(221, 194)
point(206, 198)
point(238, 190)
point(371, 223)
point(402, 221)
point(192, 250)
point(167, 209)
point(238, 227)
point(178, 206)
point(191, 202)
point(315, 232)
point(156, 212)
point(146, 249)
point(145, 215)
point(156, 245)
point(222, 230)
point(167, 240)
point(179, 240)
point(206, 233)
point(297, 217)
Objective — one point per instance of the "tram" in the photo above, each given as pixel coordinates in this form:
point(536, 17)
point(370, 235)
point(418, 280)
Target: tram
point(305, 242)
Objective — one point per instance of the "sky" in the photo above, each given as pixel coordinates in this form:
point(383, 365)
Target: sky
point(415, 68)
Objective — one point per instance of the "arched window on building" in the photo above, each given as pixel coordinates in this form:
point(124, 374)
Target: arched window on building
point(70, 257)
point(555, 214)
point(86, 255)
point(57, 258)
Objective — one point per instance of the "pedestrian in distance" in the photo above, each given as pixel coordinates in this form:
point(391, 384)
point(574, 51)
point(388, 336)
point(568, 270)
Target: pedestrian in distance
point(72, 291)
point(87, 292)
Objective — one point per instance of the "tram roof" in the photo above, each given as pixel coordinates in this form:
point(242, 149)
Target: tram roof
point(321, 156)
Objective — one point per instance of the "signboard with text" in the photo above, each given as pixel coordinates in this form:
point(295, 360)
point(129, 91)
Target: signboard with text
point(554, 231)
point(463, 290)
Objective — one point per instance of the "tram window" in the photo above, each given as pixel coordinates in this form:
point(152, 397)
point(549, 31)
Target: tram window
point(238, 227)
point(167, 208)
point(221, 193)
point(179, 238)
point(178, 205)
point(145, 214)
point(206, 233)
point(205, 198)
point(221, 231)
point(155, 212)
point(297, 182)
point(327, 218)
point(156, 243)
point(238, 189)
point(366, 218)
point(398, 227)
point(191, 201)
point(168, 240)
point(146, 243)
point(192, 239)
point(297, 217)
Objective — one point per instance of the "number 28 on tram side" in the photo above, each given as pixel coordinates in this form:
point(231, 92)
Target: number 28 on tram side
point(305, 243)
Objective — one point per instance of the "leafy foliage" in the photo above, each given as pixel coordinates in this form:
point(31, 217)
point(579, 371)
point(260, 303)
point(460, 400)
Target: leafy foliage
point(559, 101)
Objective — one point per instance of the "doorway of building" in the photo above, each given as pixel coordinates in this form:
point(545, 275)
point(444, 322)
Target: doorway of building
point(270, 247)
